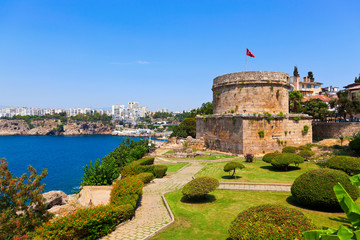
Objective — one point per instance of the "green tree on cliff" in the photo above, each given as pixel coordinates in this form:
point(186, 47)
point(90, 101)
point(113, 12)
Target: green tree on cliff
point(295, 98)
point(186, 128)
point(22, 207)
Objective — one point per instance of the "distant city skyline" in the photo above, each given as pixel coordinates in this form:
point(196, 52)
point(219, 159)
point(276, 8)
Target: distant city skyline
point(165, 54)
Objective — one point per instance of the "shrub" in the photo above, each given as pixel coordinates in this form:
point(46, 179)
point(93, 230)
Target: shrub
point(289, 149)
point(304, 147)
point(314, 189)
point(126, 191)
point(103, 172)
point(270, 222)
point(232, 166)
point(261, 133)
point(306, 154)
point(249, 157)
point(130, 170)
point(283, 160)
point(199, 187)
point(146, 177)
point(350, 165)
point(17, 216)
point(146, 168)
point(305, 129)
point(160, 170)
point(86, 223)
point(269, 156)
point(355, 144)
point(147, 161)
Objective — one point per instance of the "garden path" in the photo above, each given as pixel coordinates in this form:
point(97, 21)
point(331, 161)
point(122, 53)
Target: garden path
point(152, 215)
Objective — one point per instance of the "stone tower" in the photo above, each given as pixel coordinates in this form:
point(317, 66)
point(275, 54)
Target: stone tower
point(251, 114)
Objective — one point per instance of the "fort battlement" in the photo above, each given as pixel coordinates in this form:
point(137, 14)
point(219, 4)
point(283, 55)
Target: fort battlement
point(251, 114)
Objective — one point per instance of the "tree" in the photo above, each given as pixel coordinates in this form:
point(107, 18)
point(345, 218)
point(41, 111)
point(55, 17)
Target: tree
point(22, 207)
point(186, 128)
point(232, 166)
point(295, 98)
point(311, 76)
point(345, 105)
point(357, 79)
point(316, 108)
point(296, 73)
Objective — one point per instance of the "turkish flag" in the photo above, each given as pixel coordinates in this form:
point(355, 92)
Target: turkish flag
point(249, 53)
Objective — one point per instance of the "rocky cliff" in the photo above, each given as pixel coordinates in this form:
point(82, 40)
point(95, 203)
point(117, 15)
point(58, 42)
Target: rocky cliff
point(52, 127)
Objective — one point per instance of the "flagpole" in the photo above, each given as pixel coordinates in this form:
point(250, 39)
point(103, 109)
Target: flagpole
point(245, 62)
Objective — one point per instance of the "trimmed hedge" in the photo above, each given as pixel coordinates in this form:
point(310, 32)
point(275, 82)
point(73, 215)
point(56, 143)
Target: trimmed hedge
point(86, 223)
point(146, 168)
point(126, 191)
point(314, 189)
point(199, 187)
point(270, 222)
point(289, 149)
point(269, 156)
point(283, 160)
point(146, 161)
point(306, 153)
point(146, 177)
point(350, 165)
point(160, 170)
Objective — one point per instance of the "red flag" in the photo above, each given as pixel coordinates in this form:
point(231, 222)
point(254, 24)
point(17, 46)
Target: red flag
point(249, 53)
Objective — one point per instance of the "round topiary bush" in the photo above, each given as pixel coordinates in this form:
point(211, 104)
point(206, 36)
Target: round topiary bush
point(283, 160)
point(199, 187)
point(269, 156)
point(270, 222)
point(232, 166)
point(314, 189)
point(350, 165)
point(146, 177)
point(289, 149)
point(306, 153)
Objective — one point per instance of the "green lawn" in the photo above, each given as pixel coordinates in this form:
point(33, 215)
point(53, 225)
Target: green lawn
point(175, 167)
point(209, 157)
point(259, 171)
point(211, 220)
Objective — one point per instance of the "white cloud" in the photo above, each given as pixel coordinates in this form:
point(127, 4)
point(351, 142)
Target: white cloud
point(143, 62)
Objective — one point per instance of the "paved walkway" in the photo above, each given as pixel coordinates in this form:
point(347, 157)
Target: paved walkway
point(152, 215)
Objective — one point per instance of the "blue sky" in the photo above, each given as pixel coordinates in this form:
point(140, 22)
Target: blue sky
point(165, 54)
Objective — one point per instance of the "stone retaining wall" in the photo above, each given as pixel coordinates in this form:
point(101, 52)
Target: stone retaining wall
point(334, 129)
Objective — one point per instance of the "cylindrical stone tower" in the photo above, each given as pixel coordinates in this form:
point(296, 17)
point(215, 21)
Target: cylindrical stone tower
point(251, 92)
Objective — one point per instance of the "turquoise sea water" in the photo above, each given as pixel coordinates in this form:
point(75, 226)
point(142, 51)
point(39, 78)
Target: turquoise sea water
point(63, 156)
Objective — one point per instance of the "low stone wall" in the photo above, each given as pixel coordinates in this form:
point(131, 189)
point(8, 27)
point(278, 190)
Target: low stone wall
point(240, 133)
point(334, 129)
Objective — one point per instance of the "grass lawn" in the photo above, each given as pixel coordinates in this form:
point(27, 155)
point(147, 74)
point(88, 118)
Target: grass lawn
point(258, 171)
point(209, 157)
point(211, 219)
point(175, 167)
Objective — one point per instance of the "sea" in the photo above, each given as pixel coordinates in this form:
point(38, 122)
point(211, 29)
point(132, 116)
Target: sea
point(63, 156)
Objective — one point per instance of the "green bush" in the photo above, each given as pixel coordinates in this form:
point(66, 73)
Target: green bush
point(314, 189)
point(146, 177)
point(232, 166)
point(304, 147)
point(350, 165)
point(306, 153)
point(86, 223)
point(249, 157)
point(199, 187)
point(283, 160)
point(147, 161)
point(160, 170)
point(270, 222)
point(269, 156)
point(289, 149)
point(355, 144)
point(130, 170)
point(126, 191)
point(103, 172)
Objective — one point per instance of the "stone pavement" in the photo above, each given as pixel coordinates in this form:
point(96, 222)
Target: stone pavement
point(152, 215)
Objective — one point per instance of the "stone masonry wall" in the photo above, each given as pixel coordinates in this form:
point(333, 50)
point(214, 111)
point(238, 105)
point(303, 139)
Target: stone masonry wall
point(251, 92)
point(334, 129)
point(240, 134)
